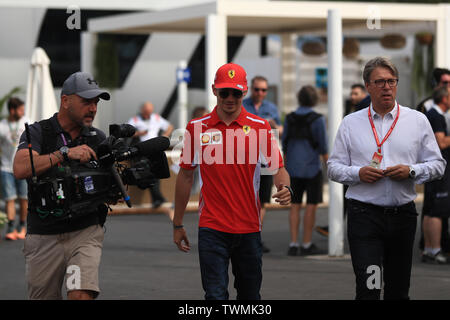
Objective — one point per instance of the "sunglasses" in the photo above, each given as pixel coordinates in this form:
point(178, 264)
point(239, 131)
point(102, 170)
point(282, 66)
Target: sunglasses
point(260, 89)
point(224, 93)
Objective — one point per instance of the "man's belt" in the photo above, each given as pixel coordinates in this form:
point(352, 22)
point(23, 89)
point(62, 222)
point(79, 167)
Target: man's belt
point(387, 210)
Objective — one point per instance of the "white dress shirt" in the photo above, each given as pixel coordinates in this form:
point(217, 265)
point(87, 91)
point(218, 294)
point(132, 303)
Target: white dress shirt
point(412, 143)
point(152, 125)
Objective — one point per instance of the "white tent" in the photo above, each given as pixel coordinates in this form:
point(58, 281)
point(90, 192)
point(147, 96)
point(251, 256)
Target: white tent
point(40, 102)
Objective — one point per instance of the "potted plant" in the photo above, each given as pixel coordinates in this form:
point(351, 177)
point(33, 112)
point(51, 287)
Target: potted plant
point(425, 38)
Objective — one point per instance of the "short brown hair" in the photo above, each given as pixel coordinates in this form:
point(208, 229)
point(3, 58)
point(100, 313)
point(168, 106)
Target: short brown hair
point(14, 103)
point(258, 78)
point(307, 96)
point(378, 62)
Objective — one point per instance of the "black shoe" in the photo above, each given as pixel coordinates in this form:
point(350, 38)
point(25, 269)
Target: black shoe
point(322, 230)
point(438, 258)
point(292, 251)
point(312, 250)
point(264, 248)
point(157, 204)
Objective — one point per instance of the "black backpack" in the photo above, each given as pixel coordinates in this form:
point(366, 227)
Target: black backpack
point(299, 127)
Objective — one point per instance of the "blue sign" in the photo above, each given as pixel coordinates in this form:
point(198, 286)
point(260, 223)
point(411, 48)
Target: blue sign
point(321, 77)
point(183, 75)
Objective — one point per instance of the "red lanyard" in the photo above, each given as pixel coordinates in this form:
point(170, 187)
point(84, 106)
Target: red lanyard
point(388, 133)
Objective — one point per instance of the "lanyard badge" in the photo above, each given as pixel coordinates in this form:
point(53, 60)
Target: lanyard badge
point(377, 156)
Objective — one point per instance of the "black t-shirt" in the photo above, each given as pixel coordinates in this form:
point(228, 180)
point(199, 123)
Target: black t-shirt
point(438, 124)
point(49, 225)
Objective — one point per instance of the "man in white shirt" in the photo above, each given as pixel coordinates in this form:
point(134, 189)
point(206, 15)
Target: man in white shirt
point(381, 152)
point(149, 125)
point(11, 129)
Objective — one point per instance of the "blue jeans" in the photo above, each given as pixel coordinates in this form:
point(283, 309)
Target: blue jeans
point(216, 249)
point(12, 187)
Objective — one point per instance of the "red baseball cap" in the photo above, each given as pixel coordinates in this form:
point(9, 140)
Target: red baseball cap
point(231, 75)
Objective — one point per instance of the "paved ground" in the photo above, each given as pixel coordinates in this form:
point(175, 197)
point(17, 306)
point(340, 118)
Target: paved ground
point(140, 262)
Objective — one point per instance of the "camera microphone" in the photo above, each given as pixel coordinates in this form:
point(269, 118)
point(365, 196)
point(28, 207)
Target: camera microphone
point(146, 148)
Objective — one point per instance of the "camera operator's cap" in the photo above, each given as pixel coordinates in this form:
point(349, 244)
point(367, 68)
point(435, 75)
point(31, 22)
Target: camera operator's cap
point(231, 75)
point(83, 84)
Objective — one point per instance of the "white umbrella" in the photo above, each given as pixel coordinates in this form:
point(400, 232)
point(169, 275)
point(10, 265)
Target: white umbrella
point(41, 102)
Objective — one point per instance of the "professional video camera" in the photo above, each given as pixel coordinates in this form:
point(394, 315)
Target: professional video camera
point(74, 189)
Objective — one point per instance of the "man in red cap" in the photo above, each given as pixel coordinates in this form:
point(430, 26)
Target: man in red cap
point(229, 144)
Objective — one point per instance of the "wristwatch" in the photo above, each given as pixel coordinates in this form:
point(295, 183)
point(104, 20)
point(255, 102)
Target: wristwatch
point(65, 152)
point(412, 173)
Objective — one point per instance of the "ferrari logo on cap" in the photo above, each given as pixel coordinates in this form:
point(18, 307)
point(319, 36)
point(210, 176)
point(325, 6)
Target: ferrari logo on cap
point(231, 74)
point(246, 129)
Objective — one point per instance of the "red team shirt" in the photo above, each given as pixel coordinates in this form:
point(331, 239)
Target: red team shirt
point(230, 158)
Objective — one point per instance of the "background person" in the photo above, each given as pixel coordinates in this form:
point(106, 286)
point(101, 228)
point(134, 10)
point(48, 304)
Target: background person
point(441, 78)
point(304, 143)
point(436, 206)
point(257, 104)
point(57, 241)
point(150, 125)
point(230, 223)
point(10, 130)
point(357, 94)
point(381, 152)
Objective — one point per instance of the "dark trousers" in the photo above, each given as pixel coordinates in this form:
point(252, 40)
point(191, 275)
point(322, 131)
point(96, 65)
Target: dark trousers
point(381, 239)
point(155, 192)
point(216, 249)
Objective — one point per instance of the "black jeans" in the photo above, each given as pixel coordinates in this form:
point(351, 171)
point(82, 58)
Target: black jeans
point(381, 239)
point(216, 249)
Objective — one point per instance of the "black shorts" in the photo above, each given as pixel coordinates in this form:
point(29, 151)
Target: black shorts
point(265, 188)
point(313, 187)
point(432, 205)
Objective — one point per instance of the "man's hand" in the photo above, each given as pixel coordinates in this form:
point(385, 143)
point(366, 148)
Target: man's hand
point(179, 236)
point(398, 172)
point(272, 123)
point(82, 153)
point(283, 196)
point(370, 174)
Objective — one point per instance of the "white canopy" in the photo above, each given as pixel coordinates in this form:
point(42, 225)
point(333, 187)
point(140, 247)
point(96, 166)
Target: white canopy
point(40, 102)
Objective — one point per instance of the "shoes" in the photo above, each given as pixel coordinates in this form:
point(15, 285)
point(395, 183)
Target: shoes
point(21, 235)
point(292, 251)
point(312, 250)
point(158, 203)
point(438, 258)
point(11, 236)
point(322, 230)
point(264, 248)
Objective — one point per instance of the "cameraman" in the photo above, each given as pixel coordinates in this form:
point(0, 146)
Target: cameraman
point(54, 245)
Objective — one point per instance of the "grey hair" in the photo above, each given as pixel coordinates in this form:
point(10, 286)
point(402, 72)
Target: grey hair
point(439, 93)
point(378, 62)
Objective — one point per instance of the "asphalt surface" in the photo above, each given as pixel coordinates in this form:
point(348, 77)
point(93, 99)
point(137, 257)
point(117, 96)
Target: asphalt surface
point(140, 262)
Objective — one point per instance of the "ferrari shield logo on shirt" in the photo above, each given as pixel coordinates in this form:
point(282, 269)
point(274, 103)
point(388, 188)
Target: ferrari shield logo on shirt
point(231, 74)
point(246, 129)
